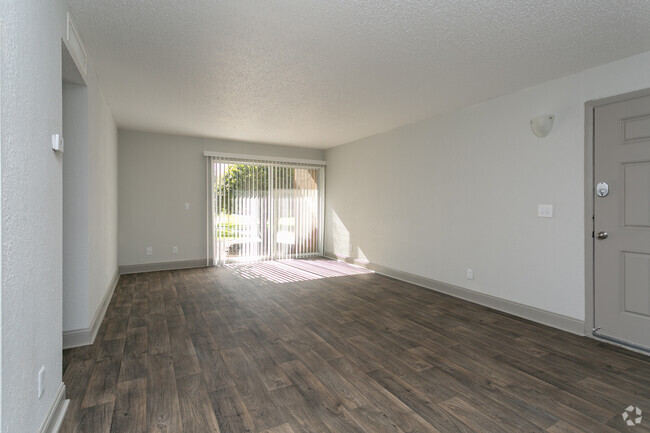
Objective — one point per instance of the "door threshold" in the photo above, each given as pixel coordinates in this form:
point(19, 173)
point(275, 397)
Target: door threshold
point(624, 344)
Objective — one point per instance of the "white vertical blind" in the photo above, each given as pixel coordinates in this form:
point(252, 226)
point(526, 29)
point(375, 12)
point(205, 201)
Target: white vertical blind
point(264, 210)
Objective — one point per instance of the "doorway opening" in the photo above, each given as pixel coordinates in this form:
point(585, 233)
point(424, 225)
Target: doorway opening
point(617, 216)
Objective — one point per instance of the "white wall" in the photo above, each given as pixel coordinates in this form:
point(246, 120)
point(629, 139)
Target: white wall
point(461, 190)
point(31, 209)
point(76, 256)
point(89, 201)
point(158, 174)
point(103, 202)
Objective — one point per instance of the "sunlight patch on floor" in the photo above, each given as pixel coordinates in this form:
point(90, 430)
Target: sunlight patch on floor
point(294, 270)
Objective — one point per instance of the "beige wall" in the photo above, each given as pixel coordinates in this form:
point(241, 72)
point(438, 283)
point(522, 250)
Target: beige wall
point(461, 191)
point(158, 174)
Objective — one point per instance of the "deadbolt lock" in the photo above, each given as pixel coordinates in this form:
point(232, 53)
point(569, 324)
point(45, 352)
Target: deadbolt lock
point(602, 189)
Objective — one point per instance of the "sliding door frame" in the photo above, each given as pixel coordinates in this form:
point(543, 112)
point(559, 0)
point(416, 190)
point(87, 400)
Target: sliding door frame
point(232, 158)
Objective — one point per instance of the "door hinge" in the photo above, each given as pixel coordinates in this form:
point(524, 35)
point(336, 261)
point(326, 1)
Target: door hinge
point(593, 234)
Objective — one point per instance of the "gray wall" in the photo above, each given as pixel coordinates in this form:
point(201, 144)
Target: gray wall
point(89, 202)
point(461, 191)
point(30, 335)
point(102, 202)
point(76, 257)
point(158, 174)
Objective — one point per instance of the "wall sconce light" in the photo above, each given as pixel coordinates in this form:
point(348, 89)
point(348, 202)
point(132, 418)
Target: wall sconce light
point(542, 125)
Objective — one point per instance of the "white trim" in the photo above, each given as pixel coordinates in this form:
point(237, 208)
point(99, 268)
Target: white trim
point(86, 336)
point(321, 214)
point(209, 224)
point(544, 317)
point(1, 255)
point(54, 418)
point(76, 47)
point(247, 158)
point(165, 266)
point(589, 222)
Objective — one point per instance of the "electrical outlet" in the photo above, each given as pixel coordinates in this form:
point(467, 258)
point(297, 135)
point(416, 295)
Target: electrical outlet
point(470, 274)
point(149, 251)
point(545, 210)
point(175, 250)
point(41, 381)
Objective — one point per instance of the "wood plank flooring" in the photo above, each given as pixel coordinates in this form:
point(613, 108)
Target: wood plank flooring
point(276, 348)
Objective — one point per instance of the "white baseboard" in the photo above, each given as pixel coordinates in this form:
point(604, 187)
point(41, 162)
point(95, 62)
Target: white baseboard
point(544, 317)
point(54, 418)
point(86, 336)
point(164, 266)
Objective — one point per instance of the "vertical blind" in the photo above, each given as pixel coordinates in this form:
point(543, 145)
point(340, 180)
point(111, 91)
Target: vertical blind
point(264, 210)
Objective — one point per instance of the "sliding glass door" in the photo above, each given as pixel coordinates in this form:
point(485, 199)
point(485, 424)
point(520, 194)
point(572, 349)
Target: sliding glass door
point(262, 210)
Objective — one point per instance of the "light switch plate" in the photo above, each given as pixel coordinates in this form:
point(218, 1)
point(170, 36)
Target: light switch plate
point(545, 211)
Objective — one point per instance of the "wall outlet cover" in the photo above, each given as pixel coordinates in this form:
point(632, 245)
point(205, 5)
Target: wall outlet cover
point(545, 211)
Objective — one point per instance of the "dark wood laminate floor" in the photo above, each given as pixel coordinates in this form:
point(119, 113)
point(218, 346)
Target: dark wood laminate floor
point(274, 347)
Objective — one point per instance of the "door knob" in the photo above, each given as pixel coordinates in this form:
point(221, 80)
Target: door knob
point(602, 235)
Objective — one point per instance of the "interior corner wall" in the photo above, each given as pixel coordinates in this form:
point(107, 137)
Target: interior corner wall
point(102, 199)
point(75, 207)
point(89, 202)
point(158, 174)
point(461, 190)
point(30, 300)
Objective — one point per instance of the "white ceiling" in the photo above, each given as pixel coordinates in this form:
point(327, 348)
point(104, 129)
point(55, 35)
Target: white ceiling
point(320, 73)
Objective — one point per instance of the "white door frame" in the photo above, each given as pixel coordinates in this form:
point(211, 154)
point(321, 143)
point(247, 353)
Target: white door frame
point(590, 106)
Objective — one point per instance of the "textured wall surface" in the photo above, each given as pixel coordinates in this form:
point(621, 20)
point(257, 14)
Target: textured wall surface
point(31, 209)
point(158, 174)
point(461, 191)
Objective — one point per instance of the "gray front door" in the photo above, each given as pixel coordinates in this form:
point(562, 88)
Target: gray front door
point(622, 221)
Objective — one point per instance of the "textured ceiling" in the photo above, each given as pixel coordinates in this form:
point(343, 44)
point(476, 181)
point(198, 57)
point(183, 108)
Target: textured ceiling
point(320, 73)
